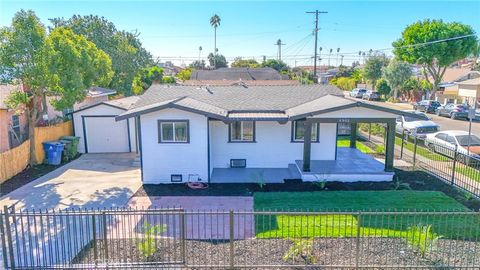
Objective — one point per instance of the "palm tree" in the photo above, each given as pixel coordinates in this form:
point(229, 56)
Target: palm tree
point(215, 22)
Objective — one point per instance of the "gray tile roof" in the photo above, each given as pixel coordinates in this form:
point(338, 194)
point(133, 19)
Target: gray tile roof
point(125, 103)
point(237, 74)
point(96, 91)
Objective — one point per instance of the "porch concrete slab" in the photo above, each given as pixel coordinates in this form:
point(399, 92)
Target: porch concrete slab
point(91, 181)
point(206, 217)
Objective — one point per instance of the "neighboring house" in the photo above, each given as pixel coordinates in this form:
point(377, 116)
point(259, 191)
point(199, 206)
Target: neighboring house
point(469, 91)
point(95, 95)
point(13, 128)
point(236, 74)
point(239, 134)
point(241, 82)
point(448, 88)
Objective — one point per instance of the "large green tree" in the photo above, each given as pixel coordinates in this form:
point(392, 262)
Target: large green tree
point(62, 65)
point(373, 67)
point(278, 65)
point(421, 43)
point(145, 78)
point(217, 61)
point(250, 63)
point(125, 49)
point(397, 73)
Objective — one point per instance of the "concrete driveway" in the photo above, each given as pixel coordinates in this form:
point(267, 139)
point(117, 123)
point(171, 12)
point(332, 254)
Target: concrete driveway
point(91, 181)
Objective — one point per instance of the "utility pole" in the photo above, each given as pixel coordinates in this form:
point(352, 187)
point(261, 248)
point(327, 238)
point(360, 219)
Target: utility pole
point(279, 53)
point(341, 61)
point(316, 12)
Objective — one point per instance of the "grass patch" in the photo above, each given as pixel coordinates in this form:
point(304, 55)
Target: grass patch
point(343, 225)
point(469, 172)
point(421, 151)
point(345, 142)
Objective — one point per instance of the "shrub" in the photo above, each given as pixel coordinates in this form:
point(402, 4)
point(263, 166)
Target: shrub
point(148, 246)
point(379, 149)
point(301, 248)
point(422, 238)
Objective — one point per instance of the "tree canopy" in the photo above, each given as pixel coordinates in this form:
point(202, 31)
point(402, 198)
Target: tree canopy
point(125, 49)
point(62, 65)
point(145, 77)
point(217, 61)
point(373, 67)
point(397, 73)
point(197, 64)
point(250, 63)
point(184, 74)
point(414, 47)
point(278, 65)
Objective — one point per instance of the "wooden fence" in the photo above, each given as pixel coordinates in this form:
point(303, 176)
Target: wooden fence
point(15, 160)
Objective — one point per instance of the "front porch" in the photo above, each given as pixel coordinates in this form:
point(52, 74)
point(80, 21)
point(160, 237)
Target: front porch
point(351, 165)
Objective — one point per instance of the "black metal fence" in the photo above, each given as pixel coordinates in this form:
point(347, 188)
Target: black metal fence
point(452, 165)
point(178, 239)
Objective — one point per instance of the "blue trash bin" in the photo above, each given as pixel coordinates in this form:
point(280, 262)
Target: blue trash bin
point(53, 152)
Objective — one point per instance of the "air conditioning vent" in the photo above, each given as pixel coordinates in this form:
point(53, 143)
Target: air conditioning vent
point(238, 163)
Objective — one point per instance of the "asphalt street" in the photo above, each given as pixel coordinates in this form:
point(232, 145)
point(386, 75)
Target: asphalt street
point(444, 122)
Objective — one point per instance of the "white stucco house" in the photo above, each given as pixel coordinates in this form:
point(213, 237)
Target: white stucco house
point(237, 134)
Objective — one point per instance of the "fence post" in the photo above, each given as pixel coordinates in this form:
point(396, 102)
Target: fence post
point(94, 231)
point(105, 236)
point(403, 141)
point(232, 235)
point(369, 131)
point(415, 151)
point(182, 235)
point(9, 237)
point(357, 240)
point(452, 182)
point(4, 245)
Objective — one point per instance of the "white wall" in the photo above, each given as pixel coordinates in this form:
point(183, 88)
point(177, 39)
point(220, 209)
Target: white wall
point(161, 160)
point(273, 147)
point(99, 110)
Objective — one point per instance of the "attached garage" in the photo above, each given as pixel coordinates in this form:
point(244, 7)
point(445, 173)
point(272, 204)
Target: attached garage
point(100, 133)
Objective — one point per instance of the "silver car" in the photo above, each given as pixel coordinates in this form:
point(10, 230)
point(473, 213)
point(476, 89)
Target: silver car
point(446, 142)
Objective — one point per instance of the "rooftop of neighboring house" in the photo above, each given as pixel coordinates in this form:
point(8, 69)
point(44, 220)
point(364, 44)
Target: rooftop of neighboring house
point(454, 74)
point(475, 81)
point(236, 74)
point(275, 103)
point(5, 90)
point(96, 91)
point(240, 82)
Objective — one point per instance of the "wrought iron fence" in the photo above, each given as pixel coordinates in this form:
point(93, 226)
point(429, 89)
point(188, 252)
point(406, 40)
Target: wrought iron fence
point(449, 164)
point(178, 239)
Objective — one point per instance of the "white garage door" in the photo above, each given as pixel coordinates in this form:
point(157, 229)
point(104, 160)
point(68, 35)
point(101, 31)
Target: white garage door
point(105, 135)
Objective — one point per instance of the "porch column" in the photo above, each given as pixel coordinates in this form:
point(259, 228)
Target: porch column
point(307, 143)
point(390, 145)
point(353, 135)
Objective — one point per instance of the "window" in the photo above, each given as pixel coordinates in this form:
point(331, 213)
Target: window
point(441, 136)
point(298, 132)
point(16, 124)
point(242, 131)
point(173, 131)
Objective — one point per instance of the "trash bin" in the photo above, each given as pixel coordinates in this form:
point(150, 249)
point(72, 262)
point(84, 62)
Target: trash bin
point(67, 149)
point(53, 152)
point(71, 149)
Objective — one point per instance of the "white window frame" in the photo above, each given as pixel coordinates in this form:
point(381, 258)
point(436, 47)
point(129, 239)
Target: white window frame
point(242, 139)
point(315, 126)
point(173, 122)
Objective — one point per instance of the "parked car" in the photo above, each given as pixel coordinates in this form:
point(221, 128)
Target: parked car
point(358, 92)
point(371, 95)
point(428, 106)
point(453, 111)
point(414, 126)
point(445, 142)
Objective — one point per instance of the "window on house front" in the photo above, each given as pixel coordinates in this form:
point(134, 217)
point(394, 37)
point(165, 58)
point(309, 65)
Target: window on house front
point(16, 124)
point(298, 133)
point(173, 131)
point(242, 131)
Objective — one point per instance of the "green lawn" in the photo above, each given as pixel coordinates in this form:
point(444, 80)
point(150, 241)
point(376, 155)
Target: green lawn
point(469, 172)
point(344, 225)
point(422, 151)
point(345, 142)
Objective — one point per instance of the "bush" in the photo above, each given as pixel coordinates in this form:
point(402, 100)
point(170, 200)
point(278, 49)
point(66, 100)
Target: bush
point(422, 238)
point(147, 245)
point(301, 248)
point(393, 100)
